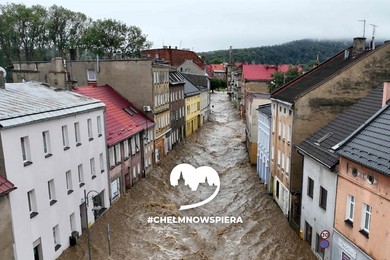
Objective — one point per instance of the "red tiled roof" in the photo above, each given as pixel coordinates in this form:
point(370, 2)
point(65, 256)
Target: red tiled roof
point(261, 72)
point(217, 67)
point(120, 124)
point(5, 186)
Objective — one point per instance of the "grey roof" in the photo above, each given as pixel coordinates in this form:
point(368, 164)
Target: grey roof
point(175, 78)
point(265, 109)
point(319, 145)
point(189, 88)
point(24, 103)
point(197, 80)
point(370, 144)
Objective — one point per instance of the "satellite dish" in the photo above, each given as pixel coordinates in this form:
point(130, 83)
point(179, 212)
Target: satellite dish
point(4, 72)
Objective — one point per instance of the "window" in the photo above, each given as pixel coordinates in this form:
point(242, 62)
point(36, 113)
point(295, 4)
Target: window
point(117, 154)
point(77, 133)
point(91, 74)
point(52, 193)
point(101, 159)
point(366, 219)
point(289, 134)
point(350, 210)
point(90, 133)
point(279, 156)
point(111, 154)
point(65, 137)
point(81, 175)
point(99, 126)
point(46, 144)
point(310, 187)
point(277, 189)
point(126, 152)
point(69, 184)
point(137, 143)
point(319, 249)
point(132, 142)
point(56, 238)
point(72, 221)
point(282, 161)
point(323, 197)
point(32, 203)
point(92, 165)
point(26, 155)
point(287, 165)
point(308, 232)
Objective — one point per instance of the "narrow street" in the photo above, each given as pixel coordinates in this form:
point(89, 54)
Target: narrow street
point(264, 233)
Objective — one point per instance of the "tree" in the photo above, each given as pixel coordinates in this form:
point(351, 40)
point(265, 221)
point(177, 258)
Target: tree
point(106, 37)
point(65, 28)
point(280, 78)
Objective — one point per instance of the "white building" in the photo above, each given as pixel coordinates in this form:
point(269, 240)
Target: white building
point(53, 148)
point(263, 145)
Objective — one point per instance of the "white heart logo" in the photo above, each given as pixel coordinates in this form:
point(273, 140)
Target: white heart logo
point(193, 177)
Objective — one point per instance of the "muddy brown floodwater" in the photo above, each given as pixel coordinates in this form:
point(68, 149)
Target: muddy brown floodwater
point(264, 233)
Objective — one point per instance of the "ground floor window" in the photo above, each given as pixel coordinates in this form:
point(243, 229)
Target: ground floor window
point(319, 250)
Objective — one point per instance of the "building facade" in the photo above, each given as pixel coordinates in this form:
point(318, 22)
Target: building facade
point(251, 120)
point(177, 105)
point(263, 144)
point(129, 139)
point(314, 99)
point(361, 229)
point(57, 166)
point(321, 167)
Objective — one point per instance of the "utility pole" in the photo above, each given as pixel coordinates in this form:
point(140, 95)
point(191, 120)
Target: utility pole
point(364, 26)
point(373, 36)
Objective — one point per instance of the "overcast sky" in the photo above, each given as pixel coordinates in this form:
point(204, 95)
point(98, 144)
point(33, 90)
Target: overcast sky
point(205, 25)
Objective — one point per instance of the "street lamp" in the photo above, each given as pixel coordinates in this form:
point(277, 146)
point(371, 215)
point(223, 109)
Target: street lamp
point(86, 216)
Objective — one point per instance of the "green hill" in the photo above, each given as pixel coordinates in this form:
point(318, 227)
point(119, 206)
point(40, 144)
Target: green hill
point(295, 52)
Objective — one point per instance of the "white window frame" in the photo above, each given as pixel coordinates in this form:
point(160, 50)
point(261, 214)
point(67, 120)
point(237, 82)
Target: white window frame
point(92, 167)
point(91, 74)
point(350, 208)
point(26, 153)
point(56, 237)
point(90, 131)
point(69, 183)
point(51, 191)
point(101, 160)
point(46, 143)
point(126, 151)
point(118, 153)
point(111, 155)
point(80, 171)
point(77, 133)
point(99, 126)
point(366, 214)
point(32, 203)
point(65, 137)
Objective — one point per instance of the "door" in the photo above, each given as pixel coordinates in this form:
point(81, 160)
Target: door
point(83, 216)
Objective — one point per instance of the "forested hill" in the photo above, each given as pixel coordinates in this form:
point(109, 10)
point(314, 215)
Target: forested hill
point(295, 52)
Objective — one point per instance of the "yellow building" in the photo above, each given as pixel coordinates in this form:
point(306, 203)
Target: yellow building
point(192, 107)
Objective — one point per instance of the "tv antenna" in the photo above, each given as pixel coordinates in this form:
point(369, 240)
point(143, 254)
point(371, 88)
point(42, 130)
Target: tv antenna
point(373, 36)
point(364, 26)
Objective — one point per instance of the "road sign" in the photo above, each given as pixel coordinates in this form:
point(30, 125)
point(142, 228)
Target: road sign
point(325, 234)
point(324, 243)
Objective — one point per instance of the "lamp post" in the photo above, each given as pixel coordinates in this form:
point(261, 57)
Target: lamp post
point(86, 217)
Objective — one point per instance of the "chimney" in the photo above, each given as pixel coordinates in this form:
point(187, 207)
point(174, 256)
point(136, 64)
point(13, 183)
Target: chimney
point(2, 80)
point(359, 45)
point(386, 93)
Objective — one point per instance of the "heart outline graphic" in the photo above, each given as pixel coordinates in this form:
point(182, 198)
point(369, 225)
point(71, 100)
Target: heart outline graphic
point(193, 177)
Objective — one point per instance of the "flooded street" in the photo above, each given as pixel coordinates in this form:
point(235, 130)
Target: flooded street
point(264, 233)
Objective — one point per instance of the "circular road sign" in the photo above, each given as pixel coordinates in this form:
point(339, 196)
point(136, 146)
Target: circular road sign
point(325, 234)
point(324, 243)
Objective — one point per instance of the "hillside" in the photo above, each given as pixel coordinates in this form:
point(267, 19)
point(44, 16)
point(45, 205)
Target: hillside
point(295, 52)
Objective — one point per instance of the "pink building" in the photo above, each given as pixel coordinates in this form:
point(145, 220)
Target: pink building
point(361, 229)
